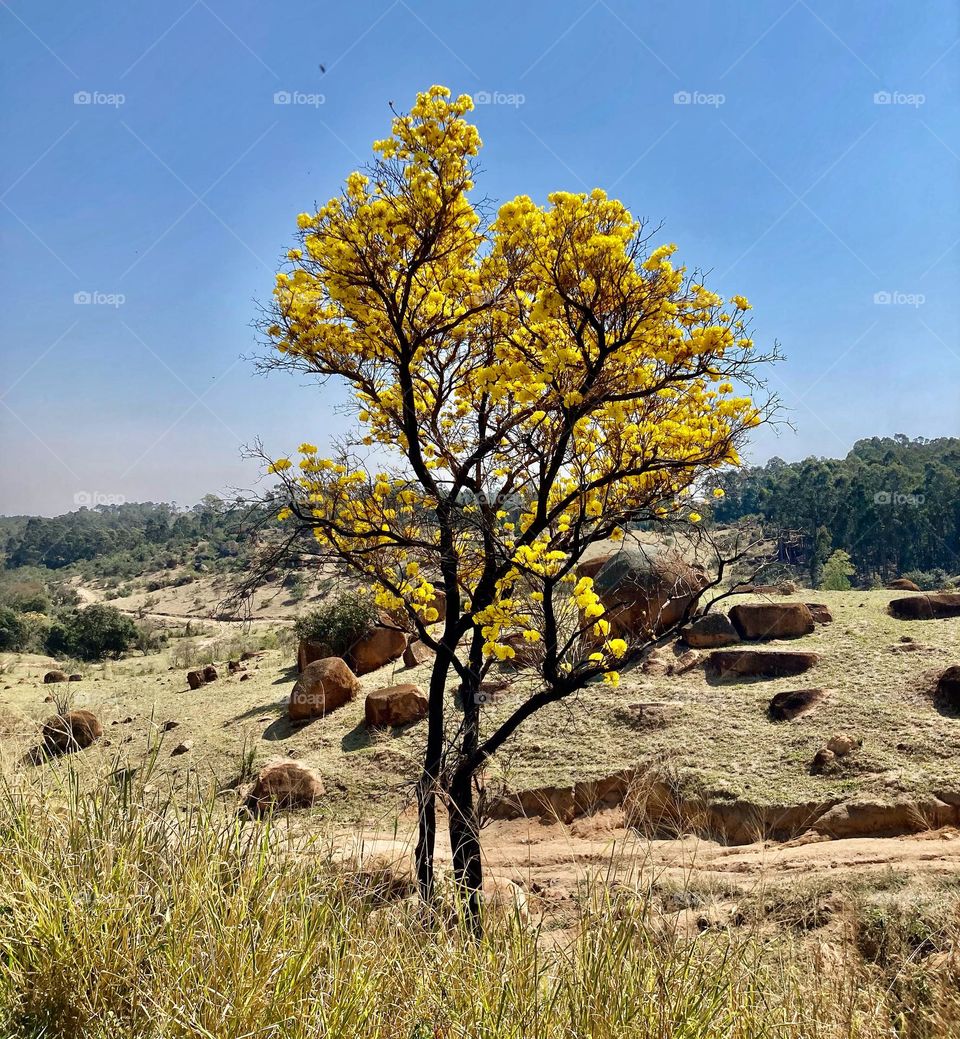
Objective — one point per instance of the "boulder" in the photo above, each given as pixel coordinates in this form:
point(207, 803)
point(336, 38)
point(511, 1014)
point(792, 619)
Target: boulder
point(249, 654)
point(195, 679)
point(76, 678)
point(902, 584)
point(395, 705)
point(210, 673)
point(323, 686)
point(285, 784)
point(245, 677)
point(823, 761)
point(948, 688)
point(74, 730)
point(926, 607)
point(751, 663)
point(647, 588)
point(310, 650)
point(867, 818)
point(794, 703)
point(768, 620)
point(665, 660)
point(381, 646)
point(416, 653)
point(233, 666)
point(710, 632)
point(55, 676)
point(182, 748)
point(844, 744)
point(820, 613)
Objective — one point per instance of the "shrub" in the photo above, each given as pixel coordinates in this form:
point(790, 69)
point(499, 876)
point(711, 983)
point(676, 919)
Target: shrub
point(13, 631)
point(92, 633)
point(340, 623)
point(928, 580)
point(837, 571)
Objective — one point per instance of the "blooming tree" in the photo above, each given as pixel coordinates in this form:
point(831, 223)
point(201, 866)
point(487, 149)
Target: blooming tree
point(526, 384)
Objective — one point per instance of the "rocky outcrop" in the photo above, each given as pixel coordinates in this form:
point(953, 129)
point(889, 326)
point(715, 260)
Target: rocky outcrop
point(935, 606)
point(751, 663)
point(285, 785)
point(710, 632)
point(381, 646)
point(323, 686)
point(767, 620)
point(795, 703)
point(395, 705)
point(647, 588)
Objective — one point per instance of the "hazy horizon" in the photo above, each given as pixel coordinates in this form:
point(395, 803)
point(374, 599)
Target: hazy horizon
point(806, 155)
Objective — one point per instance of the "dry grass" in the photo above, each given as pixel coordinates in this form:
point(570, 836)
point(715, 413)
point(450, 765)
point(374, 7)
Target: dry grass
point(716, 741)
point(124, 915)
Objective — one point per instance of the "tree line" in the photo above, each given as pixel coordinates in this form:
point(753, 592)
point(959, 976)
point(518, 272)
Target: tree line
point(893, 504)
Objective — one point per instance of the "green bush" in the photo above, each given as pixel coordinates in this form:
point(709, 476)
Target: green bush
point(13, 631)
point(340, 623)
point(928, 580)
point(91, 634)
point(837, 571)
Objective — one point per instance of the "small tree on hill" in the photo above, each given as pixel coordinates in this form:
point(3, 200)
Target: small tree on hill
point(837, 571)
point(525, 387)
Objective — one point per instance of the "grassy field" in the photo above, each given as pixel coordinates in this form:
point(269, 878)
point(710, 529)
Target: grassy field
point(715, 740)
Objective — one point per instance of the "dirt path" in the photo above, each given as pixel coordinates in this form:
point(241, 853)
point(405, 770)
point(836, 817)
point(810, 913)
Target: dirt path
point(556, 857)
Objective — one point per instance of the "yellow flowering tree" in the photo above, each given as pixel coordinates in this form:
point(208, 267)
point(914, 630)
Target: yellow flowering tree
point(526, 383)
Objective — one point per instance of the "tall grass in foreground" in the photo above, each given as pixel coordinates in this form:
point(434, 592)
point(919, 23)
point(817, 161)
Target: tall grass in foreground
point(121, 918)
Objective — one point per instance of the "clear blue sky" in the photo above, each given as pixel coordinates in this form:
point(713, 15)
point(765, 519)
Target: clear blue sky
point(783, 176)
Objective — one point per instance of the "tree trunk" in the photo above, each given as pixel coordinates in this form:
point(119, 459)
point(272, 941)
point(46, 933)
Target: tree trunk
point(465, 846)
point(429, 777)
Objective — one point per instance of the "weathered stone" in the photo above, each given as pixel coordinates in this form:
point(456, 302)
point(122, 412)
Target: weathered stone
point(926, 607)
point(55, 676)
point(710, 632)
point(416, 653)
point(310, 650)
point(381, 646)
point(794, 703)
point(948, 688)
point(750, 663)
point(182, 748)
point(902, 584)
point(210, 673)
point(647, 588)
point(762, 620)
point(76, 678)
point(74, 730)
point(285, 785)
point(195, 679)
point(820, 612)
point(395, 705)
point(823, 761)
point(323, 686)
point(844, 744)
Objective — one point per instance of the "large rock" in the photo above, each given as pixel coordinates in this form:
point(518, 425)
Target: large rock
point(948, 688)
point(820, 612)
point(926, 607)
point(195, 679)
point(769, 620)
point(902, 584)
point(647, 588)
point(381, 646)
point(416, 654)
point(794, 703)
point(52, 677)
point(74, 730)
point(395, 705)
point(710, 632)
point(323, 686)
point(752, 663)
point(310, 650)
point(285, 784)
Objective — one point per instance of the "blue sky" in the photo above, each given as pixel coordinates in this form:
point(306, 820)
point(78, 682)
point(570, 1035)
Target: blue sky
point(807, 154)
